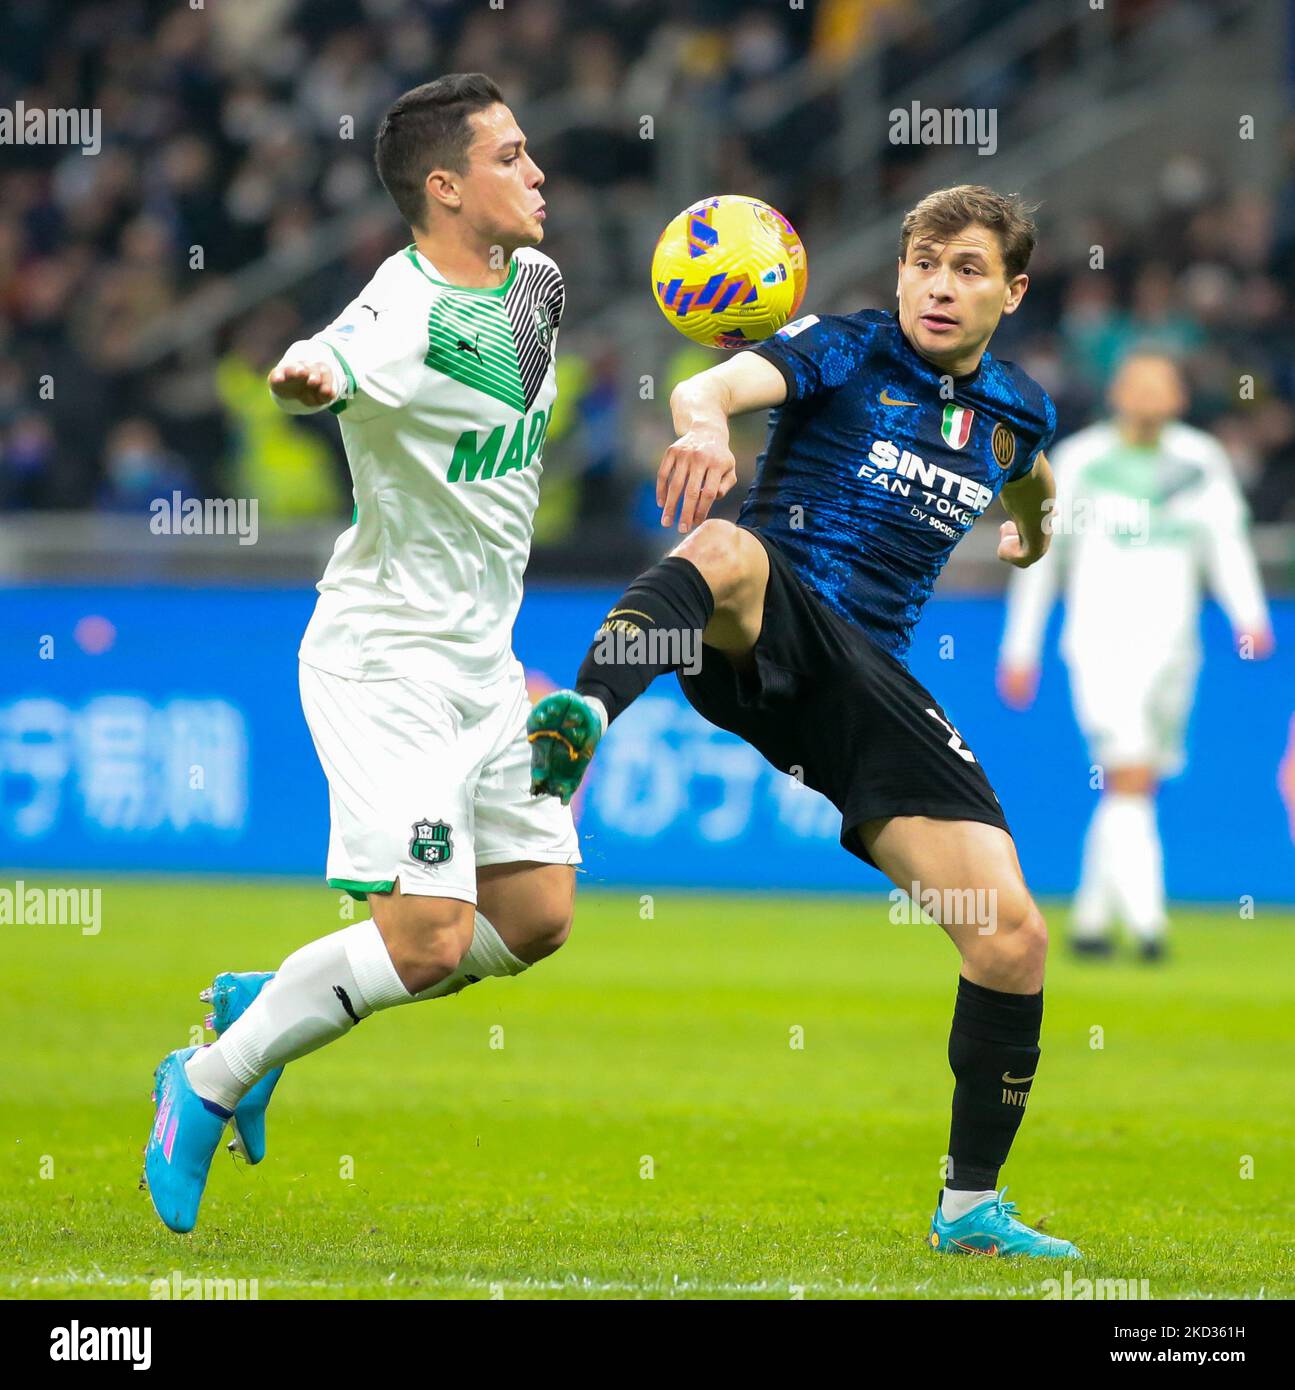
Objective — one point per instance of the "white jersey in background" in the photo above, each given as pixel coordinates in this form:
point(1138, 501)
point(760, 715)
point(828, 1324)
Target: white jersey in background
point(1137, 530)
point(445, 394)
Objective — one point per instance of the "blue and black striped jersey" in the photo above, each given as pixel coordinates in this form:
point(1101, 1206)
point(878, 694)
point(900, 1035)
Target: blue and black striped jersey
point(877, 464)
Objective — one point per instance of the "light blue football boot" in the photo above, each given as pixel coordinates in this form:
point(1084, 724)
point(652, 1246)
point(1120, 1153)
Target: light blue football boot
point(992, 1229)
point(181, 1144)
point(229, 996)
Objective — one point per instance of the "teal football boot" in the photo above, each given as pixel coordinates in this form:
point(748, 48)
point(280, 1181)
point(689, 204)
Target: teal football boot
point(181, 1144)
point(229, 996)
point(992, 1229)
point(563, 731)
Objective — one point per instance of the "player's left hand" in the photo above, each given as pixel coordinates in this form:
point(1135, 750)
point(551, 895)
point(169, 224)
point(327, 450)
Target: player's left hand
point(1018, 685)
point(1012, 548)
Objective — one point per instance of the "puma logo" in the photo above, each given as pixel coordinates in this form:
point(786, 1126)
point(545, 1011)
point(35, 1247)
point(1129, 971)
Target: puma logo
point(345, 1000)
point(371, 309)
point(464, 346)
point(887, 399)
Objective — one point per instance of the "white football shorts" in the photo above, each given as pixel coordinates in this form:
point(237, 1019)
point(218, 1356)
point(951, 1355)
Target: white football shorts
point(1134, 712)
point(426, 783)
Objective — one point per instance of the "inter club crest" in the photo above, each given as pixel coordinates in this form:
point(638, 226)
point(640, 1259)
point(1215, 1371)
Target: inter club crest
point(432, 843)
point(1003, 444)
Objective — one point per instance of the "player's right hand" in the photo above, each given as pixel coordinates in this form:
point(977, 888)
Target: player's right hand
point(1018, 685)
point(1257, 645)
point(311, 383)
point(696, 469)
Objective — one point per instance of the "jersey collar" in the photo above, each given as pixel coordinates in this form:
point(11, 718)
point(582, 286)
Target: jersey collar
point(425, 267)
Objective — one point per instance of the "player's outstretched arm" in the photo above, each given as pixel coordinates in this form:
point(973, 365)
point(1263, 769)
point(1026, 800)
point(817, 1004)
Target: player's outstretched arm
point(1028, 501)
point(699, 466)
point(304, 380)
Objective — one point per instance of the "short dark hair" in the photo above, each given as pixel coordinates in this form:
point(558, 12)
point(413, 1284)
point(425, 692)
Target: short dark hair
point(428, 129)
point(948, 211)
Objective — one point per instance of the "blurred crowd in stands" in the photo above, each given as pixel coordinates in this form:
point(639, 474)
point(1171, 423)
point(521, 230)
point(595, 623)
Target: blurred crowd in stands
point(222, 143)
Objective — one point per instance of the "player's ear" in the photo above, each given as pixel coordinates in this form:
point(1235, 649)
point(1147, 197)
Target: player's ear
point(441, 188)
point(899, 274)
point(1016, 288)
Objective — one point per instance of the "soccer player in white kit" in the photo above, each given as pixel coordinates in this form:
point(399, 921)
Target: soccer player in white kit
point(441, 372)
point(1146, 508)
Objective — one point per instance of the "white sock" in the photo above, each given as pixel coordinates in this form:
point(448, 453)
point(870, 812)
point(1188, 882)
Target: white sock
point(598, 708)
point(957, 1204)
point(318, 993)
point(1134, 858)
point(1094, 899)
point(300, 1009)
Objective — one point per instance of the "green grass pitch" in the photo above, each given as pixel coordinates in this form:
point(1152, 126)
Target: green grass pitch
point(500, 1144)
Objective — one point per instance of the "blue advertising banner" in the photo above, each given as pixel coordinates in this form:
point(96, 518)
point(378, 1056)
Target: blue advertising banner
point(160, 730)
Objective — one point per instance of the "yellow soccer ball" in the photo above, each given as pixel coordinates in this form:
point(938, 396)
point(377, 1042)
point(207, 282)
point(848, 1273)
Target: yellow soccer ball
point(729, 271)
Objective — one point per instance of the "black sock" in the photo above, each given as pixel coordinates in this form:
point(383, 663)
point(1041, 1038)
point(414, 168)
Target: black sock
point(994, 1051)
point(655, 627)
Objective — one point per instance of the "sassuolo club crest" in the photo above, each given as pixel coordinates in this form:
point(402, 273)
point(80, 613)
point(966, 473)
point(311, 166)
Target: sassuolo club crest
point(432, 843)
point(543, 325)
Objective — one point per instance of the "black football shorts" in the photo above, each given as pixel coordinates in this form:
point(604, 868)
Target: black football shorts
point(826, 704)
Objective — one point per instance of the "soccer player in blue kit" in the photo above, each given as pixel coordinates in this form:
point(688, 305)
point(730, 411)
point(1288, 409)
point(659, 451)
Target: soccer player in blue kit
point(890, 433)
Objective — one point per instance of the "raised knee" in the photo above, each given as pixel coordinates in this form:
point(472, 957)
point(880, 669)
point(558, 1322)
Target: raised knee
point(716, 548)
point(427, 957)
point(426, 939)
point(542, 934)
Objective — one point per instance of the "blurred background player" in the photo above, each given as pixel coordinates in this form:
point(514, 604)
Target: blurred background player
point(1147, 508)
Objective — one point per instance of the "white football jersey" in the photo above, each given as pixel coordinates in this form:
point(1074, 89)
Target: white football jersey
point(445, 398)
point(1136, 531)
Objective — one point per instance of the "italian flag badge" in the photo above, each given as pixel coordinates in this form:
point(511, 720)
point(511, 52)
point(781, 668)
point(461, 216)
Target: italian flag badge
point(956, 425)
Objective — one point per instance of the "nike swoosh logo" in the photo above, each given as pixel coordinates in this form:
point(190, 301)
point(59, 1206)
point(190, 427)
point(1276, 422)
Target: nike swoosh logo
point(887, 399)
point(973, 1249)
point(1018, 1080)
